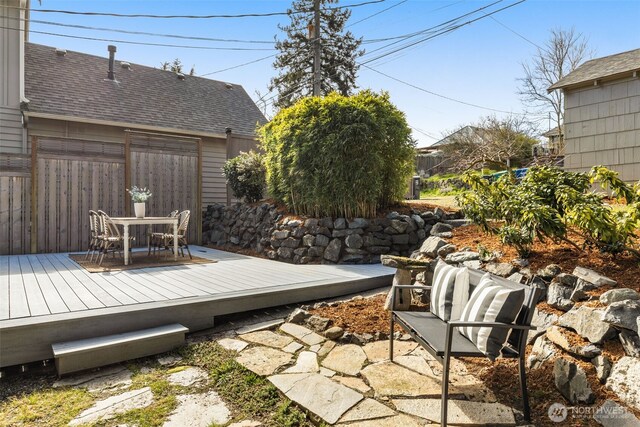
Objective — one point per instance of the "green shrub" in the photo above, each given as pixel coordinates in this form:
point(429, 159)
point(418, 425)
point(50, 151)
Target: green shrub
point(548, 202)
point(246, 175)
point(338, 155)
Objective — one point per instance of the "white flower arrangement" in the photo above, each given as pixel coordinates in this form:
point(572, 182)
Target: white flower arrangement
point(139, 195)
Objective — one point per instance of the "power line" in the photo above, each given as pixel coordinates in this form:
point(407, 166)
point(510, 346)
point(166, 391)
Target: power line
point(516, 33)
point(438, 94)
point(444, 31)
point(238, 66)
point(376, 14)
point(69, 36)
point(147, 15)
point(143, 33)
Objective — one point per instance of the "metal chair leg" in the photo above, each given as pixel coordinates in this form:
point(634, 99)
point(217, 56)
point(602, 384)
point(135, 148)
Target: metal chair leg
point(444, 402)
point(391, 339)
point(523, 387)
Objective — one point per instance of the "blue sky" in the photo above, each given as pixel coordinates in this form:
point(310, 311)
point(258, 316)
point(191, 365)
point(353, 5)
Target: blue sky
point(479, 63)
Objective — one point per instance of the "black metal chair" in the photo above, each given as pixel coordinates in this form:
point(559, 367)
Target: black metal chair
point(437, 336)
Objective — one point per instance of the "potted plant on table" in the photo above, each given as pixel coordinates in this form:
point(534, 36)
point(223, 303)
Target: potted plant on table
point(139, 197)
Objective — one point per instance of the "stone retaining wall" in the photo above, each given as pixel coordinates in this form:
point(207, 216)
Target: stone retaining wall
point(279, 236)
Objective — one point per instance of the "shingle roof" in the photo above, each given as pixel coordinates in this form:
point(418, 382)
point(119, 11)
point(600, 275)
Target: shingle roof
point(76, 85)
point(600, 68)
point(465, 132)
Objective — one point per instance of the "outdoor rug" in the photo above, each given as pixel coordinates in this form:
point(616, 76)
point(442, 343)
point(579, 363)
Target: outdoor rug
point(140, 260)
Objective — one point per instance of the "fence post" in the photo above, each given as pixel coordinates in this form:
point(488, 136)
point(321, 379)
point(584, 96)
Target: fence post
point(199, 195)
point(127, 170)
point(34, 195)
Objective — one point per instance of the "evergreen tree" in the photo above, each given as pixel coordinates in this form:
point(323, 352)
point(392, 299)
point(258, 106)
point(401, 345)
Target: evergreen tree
point(339, 51)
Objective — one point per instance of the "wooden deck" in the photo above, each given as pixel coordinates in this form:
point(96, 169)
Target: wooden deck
point(48, 298)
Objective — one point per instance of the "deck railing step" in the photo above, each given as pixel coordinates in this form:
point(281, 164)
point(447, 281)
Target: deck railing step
point(73, 356)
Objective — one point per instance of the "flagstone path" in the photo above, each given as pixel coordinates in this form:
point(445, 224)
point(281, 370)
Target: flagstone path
point(352, 385)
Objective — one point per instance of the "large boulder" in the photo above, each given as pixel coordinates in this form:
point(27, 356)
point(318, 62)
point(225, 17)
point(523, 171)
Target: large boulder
point(571, 381)
point(603, 367)
point(458, 257)
point(332, 253)
point(623, 314)
point(630, 342)
point(431, 245)
point(541, 320)
point(550, 271)
point(623, 380)
point(592, 277)
point(542, 350)
point(503, 269)
point(440, 228)
point(587, 322)
point(559, 295)
point(558, 336)
point(615, 295)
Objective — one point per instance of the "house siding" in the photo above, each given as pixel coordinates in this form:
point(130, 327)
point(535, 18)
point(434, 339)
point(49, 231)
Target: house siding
point(11, 131)
point(602, 127)
point(214, 187)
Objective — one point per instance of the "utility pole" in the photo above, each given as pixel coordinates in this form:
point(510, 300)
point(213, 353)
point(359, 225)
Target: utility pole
point(316, 48)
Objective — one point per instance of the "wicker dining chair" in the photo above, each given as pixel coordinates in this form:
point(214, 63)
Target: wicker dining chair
point(95, 235)
point(156, 240)
point(112, 240)
point(183, 226)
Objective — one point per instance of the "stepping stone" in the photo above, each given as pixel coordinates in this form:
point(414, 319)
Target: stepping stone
point(378, 351)
point(188, 376)
point(347, 359)
point(327, 346)
point(268, 338)
point(301, 333)
point(398, 420)
point(459, 411)
point(169, 360)
point(233, 345)
point(415, 363)
point(199, 410)
point(389, 379)
point(307, 362)
point(355, 383)
point(260, 326)
point(109, 408)
point(293, 347)
point(368, 409)
point(456, 367)
point(325, 398)
point(327, 372)
point(263, 360)
point(246, 423)
point(115, 377)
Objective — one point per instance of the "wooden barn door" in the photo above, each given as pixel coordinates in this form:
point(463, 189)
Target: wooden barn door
point(170, 167)
point(73, 176)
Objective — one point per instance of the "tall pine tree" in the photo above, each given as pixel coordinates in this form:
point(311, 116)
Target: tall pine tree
point(339, 51)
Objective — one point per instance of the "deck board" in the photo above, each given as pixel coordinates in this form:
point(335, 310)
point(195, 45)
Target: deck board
point(49, 298)
point(18, 302)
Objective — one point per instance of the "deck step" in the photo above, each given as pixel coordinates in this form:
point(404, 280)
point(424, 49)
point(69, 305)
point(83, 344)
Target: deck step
point(73, 356)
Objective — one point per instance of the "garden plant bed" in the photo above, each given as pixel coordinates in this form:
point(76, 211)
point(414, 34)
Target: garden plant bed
point(367, 316)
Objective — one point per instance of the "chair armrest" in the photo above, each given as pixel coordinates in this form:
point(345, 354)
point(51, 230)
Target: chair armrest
point(457, 324)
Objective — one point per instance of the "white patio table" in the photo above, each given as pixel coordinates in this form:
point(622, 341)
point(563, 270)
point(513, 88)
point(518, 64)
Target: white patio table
point(125, 222)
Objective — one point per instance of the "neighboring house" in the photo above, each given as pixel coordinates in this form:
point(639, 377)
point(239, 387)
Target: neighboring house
point(76, 130)
point(431, 160)
point(555, 141)
point(602, 115)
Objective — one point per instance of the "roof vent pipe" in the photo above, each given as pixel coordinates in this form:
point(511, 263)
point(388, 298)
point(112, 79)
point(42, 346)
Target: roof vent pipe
point(112, 53)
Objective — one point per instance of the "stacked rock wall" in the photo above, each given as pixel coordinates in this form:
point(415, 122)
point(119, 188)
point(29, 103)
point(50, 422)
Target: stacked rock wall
point(271, 232)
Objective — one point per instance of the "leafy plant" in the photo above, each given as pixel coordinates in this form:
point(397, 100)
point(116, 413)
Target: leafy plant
point(548, 202)
point(139, 195)
point(338, 155)
point(245, 175)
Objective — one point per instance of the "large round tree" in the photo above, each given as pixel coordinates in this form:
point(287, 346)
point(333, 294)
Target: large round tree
point(338, 155)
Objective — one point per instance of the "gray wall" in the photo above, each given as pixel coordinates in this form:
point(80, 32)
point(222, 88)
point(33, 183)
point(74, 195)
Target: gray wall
point(602, 127)
point(11, 84)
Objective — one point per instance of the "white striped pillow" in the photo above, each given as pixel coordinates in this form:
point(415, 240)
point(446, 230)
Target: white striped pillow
point(491, 302)
point(449, 292)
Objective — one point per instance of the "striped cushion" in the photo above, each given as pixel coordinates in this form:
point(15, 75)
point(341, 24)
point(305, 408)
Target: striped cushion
point(491, 302)
point(449, 292)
